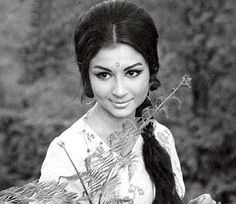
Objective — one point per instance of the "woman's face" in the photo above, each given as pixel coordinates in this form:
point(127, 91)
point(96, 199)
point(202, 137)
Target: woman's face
point(119, 79)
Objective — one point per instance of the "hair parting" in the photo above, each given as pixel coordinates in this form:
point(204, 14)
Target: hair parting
point(114, 33)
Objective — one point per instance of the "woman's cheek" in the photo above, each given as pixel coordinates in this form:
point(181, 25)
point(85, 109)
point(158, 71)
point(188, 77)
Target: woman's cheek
point(101, 89)
point(142, 88)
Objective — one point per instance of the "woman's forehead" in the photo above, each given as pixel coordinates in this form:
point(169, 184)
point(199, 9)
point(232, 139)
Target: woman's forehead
point(120, 54)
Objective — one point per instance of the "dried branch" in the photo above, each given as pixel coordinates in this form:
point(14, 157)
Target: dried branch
point(62, 145)
point(185, 82)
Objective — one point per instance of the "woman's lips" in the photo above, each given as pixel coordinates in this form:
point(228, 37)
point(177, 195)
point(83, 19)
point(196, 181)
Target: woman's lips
point(120, 104)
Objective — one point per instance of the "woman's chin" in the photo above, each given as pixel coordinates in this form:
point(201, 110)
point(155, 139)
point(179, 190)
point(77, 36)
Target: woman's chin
point(122, 113)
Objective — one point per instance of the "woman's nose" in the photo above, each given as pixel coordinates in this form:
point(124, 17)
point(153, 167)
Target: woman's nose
point(119, 88)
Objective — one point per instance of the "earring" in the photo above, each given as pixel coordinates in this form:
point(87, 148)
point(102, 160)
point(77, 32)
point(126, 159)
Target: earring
point(90, 102)
point(154, 83)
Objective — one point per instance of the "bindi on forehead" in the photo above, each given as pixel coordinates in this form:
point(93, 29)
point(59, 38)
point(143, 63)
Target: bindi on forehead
point(117, 64)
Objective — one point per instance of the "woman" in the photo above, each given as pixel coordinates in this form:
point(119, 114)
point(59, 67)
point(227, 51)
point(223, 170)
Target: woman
point(116, 51)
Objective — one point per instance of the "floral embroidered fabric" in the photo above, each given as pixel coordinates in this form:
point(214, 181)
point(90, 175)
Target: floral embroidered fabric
point(121, 178)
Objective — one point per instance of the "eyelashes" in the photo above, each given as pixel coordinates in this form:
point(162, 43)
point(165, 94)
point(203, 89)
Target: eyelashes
point(103, 75)
point(107, 75)
point(133, 73)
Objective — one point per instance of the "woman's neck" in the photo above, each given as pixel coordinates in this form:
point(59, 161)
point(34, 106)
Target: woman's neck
point(103, 122)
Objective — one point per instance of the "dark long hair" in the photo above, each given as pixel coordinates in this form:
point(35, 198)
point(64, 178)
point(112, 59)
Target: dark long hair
point(123, 22)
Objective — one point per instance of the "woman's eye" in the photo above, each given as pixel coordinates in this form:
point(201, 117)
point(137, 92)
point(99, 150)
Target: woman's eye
point(133, 73)
point(102, 75)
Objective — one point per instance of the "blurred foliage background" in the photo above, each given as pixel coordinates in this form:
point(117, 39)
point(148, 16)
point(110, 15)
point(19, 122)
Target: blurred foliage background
point(40, 86)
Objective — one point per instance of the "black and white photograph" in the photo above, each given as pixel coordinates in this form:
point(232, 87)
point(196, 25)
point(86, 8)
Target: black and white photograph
point(118, 101)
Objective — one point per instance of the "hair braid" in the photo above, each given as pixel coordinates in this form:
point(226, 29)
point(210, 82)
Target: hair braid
point(158, 165)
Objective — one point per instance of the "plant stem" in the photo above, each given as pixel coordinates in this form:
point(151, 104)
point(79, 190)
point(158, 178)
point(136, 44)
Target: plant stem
point(62, 145)
point(183, 82)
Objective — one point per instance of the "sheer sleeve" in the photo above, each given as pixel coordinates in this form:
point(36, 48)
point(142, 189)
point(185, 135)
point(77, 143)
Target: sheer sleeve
point(57, 166)
point(56, 163)
point(166, 140)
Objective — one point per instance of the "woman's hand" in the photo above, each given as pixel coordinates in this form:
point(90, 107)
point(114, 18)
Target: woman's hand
point(203, 199)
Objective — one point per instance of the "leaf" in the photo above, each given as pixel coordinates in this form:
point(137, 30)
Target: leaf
point(122, 142)
point(100, 160)
point(147, 113)
point(102, 164)
point(132, 161)
point(179, 103)
point(109, 191)
point(95, 180)
point(38, 192)
point(165, 111)
point(156, 99)
point(104, 170)
point(187, 81)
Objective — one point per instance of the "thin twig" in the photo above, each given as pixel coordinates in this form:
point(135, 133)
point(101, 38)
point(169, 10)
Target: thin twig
point(62, 145)
point(185, 81)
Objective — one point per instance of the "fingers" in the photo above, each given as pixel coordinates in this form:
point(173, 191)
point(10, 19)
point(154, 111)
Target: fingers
point(192, 201)
point(203, 199)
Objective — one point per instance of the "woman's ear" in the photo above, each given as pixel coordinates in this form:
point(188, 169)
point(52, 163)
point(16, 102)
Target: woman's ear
point(154, 83)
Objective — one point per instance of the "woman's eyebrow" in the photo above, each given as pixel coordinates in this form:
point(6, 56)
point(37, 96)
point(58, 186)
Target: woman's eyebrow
point(103, 68)
point(133, 65)
point(126, 68)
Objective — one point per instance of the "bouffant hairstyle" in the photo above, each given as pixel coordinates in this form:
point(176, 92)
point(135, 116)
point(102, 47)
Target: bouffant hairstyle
point(110, 23)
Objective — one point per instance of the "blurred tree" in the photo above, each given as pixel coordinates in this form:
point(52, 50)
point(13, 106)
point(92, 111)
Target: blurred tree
point(209, 51)
point(24, 145)
point(49, 43)
point(24, 139)
point(208, 47)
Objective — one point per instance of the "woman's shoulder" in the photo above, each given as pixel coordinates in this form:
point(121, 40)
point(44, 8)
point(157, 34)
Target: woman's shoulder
point(56, 162)
point(72, 131)
point(160, 127)
point(72, 138)
point(162, 133)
